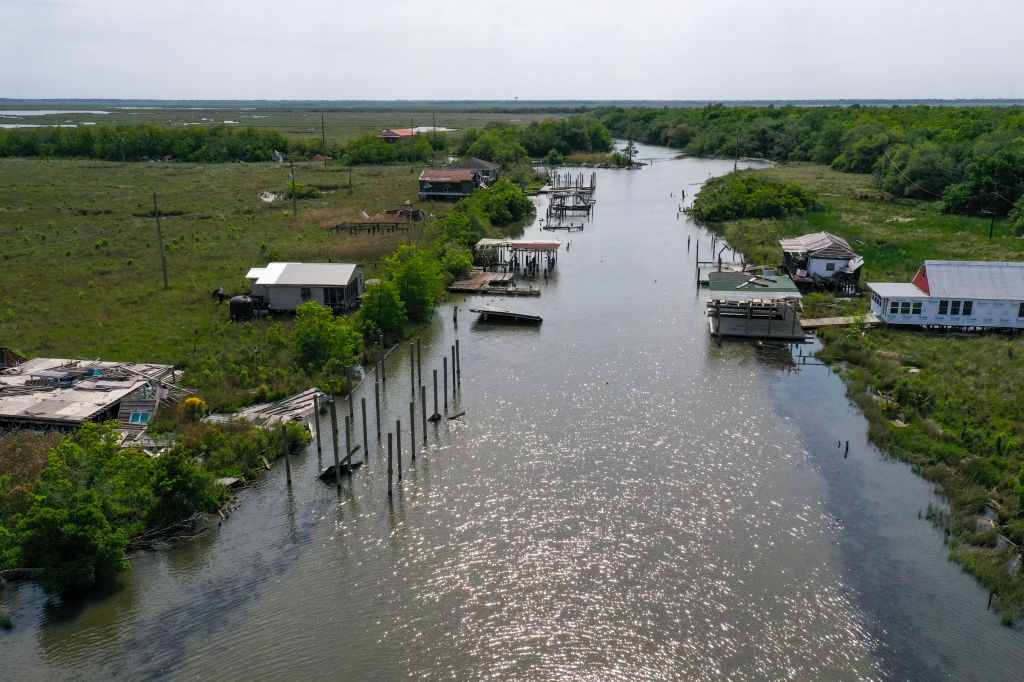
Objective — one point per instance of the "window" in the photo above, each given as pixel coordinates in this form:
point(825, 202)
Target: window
point(1020, 310)
point(305, 293)
point(905, 307)
point(830, 267)
point(943, 307)
point(968, 306)
point(139, 418)
point(916, 308)
point(894, 307)
point(954, 307)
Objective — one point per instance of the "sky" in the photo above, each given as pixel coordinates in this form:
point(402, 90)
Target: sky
point(531, 50)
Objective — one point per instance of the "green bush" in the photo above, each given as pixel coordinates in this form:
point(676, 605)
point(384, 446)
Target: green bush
point(742, 194)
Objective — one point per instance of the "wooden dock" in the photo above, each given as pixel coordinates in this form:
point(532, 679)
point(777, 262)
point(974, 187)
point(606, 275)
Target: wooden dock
point(762, 320)
point(372, 228)
point(483, 282)
point(869, 320)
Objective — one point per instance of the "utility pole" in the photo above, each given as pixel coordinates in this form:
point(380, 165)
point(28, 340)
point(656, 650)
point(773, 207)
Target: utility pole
point(736, 155)
point(295, 209)
point(160, 241)
point(323, 135)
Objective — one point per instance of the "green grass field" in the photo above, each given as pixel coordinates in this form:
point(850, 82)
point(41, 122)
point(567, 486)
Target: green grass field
point(81, 268)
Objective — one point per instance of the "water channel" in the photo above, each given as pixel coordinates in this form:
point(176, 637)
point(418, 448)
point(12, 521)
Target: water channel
point(623, 500)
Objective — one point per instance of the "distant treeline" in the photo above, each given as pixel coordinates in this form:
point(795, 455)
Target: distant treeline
point(503, 144)
point(972, 158)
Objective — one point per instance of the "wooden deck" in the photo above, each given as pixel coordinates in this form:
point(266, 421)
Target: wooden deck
point(482, 282)
point(868, 320)
point(778, 322)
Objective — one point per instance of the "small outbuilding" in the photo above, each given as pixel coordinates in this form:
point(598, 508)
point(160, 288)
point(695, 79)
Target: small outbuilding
point(396, 134)
point(822, 259)
point(283, 287)
point(954, 294)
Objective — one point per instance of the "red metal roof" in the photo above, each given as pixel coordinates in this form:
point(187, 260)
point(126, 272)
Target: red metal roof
point(397, 132)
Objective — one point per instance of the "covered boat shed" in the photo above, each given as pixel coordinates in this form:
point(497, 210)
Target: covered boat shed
point(748, 305)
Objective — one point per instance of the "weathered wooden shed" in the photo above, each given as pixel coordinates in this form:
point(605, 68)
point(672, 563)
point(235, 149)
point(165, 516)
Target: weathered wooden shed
point(448, 183)
point(283, 287)
point(488, 171)
point(954, 294)
point(821, 259)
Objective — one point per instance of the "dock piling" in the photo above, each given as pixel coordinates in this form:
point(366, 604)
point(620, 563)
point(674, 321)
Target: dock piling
point(423, 408)
point(398, 447)
point(458, 364)
point(287, 455)
point(348, 445)
point(391, 466)
point(412, 369)
point(334, 440)
point(316, 417)
point(366, 442)
point(434, 417)
point(376, 400)
point(412, 429)
point(445, 359)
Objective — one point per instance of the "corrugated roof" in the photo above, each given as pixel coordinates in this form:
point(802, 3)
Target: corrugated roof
point(305, 274)
point(448, 175)
point(819, 245)
point(535, 244)
point(396, 132)
point(1000, 281)
point(896, 290)
point(745, 286)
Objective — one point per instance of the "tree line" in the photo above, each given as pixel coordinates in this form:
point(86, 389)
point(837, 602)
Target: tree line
point(970, 158)
point(499, 143)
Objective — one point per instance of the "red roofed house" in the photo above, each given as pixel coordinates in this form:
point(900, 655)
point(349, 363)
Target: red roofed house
point(448, 183)
point(392, 136)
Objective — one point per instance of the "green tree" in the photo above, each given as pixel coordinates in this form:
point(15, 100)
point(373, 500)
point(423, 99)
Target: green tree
point(180, 488)
point(419, 279)
point(319, 335)
point(73, 548)
point(383, 311)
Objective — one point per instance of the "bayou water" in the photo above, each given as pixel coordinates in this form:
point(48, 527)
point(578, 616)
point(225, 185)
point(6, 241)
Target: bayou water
point(624, 499)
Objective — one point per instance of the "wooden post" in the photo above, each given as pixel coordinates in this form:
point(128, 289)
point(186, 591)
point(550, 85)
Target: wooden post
point(391, 465)
point(316, 416)
point(295, 209)
point(348, 446)
point(366, 442)
point(419, 363)
point(455, 316)
point(434, 417)
point(412, 370)
point(453, 374)
point(376, 400)
point(383, 369)
point(445, 359)
point(458, 364)
point(351, 412)
point(423, 407)
point(398, 447)
point(287, 455)
point(334, 432)
point(412, 428)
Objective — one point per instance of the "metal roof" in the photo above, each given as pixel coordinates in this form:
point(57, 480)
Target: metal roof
point(819, 245)
point(999, 281)
point(304, 274)
point(448, 175)
point(103, 385)
point(533, 244)
point(896, 290)
point(746, 286)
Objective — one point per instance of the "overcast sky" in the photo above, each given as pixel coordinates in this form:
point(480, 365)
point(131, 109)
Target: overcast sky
point(485, 49)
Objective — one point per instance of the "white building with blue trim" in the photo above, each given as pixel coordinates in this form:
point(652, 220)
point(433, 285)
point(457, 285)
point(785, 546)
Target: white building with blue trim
point(954, 294)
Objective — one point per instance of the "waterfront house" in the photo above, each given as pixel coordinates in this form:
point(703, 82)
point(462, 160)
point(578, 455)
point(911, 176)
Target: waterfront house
point(394, 135)
point(822, 259)
point(283, 287)
point(488, 170)
point(955, 294)
point(448, 183)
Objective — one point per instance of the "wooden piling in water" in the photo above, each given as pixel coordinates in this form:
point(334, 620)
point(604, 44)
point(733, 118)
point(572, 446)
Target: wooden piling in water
point(383, 369)
point(453, 374)
point(423, 407)
point(455, 316)
point(412, 429)
point(287, 455)
point(376, 400)
point(334, 434)
point(419, 363)
point(366, 442)
point(434, 417)
point(445, 359)
point(458, 364)
point(391, 465)
point(398, 447)
point(348, 446)
point(316, 416)
point(412, 370)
